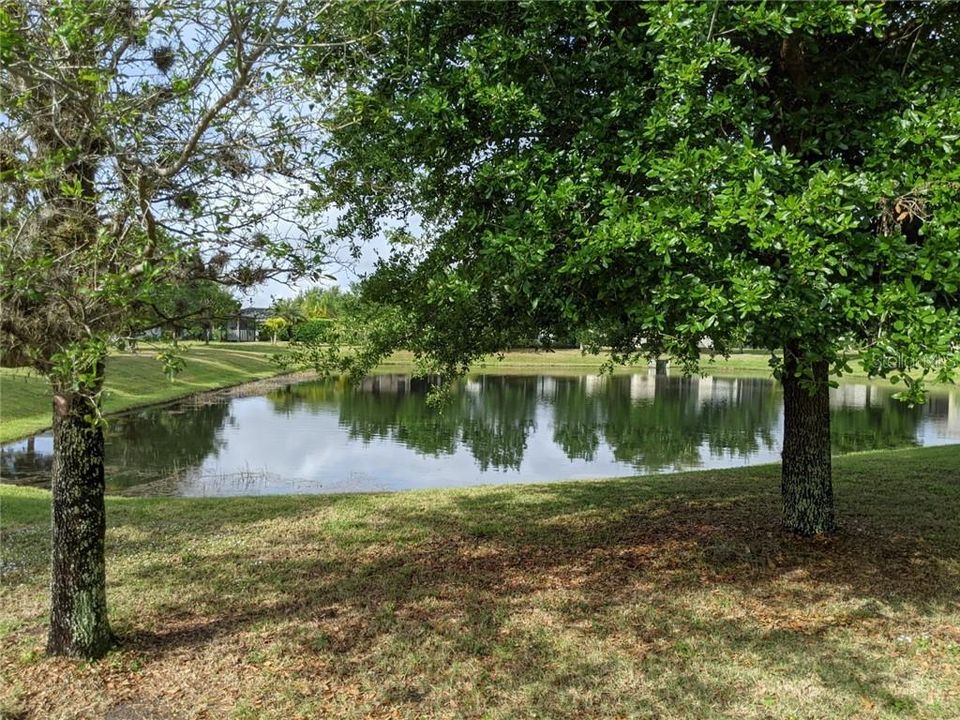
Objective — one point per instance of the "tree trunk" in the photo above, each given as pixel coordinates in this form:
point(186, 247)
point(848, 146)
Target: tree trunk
point(806, 482)
point(661, 367)
point(78, 610)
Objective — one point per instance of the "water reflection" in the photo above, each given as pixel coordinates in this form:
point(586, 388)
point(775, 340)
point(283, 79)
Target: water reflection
point(725, 417)
point(139, 445)
point(383, 435)
point(175, 439)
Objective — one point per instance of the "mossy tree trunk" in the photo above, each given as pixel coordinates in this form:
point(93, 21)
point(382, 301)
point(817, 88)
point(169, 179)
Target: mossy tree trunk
point(806, 474)
point(78, 610)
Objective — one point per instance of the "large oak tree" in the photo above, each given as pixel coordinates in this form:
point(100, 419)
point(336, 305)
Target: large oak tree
point(661, 176)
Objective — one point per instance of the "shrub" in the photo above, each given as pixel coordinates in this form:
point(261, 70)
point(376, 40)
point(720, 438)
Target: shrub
point(312, 331)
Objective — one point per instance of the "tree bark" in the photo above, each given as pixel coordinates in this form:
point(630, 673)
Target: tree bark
point(78, 609)
point(806, 482)
point(661, 366)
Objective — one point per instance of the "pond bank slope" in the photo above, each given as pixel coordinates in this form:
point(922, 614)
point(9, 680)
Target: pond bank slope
point(136, 380)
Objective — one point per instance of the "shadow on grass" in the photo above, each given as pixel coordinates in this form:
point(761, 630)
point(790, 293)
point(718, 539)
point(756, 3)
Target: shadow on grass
point(570, 595)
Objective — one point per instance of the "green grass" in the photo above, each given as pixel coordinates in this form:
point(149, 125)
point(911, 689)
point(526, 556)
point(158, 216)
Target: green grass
point(134, 381)
point(536, 360)
point(654, 597)
point(752, 362)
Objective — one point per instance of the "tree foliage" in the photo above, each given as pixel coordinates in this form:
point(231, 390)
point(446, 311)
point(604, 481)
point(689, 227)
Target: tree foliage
point(141, 144)
point(313, 315)
point(662, 175)
point(317, 303)
point(275, 325)
point(324, 303)
point(193, 308)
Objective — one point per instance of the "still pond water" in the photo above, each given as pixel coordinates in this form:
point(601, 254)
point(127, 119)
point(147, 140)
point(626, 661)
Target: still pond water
point(321, 436)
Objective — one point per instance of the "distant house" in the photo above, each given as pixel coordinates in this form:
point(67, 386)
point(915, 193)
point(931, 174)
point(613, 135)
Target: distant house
point(245, 325)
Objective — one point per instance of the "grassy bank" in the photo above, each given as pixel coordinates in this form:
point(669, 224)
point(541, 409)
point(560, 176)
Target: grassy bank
point(135, 380)
point(657, 597)
point(748, 363)
point(576, 361)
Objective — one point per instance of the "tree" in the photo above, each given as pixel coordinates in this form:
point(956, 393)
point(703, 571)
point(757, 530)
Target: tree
point(660, 176)
point(140, 144)
point(310, 314)
point(288, 309)
point(322, 303)
point(190, 307)
point(275, 325)
point(317, 303)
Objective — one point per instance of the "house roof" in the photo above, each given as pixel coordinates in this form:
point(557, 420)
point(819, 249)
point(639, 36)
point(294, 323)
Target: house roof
point(257, 313)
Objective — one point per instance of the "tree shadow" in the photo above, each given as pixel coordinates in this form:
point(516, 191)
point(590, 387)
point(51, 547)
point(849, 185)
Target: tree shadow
point(561, 587)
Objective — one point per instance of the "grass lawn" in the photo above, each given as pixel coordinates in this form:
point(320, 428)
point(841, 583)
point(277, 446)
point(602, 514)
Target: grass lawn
point(655, 597)
point(519, 361)
point(135, 380)
point(577, 361)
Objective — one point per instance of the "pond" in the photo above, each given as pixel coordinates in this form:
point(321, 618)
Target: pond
point(323, 436)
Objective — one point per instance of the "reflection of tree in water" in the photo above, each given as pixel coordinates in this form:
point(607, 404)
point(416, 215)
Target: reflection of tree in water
point(312, 396)
point(384, 406)
point(396, 408)
point(142, 444)
point(491, 416)
point(653, 422)
point(659, 421)
point(744, 421)
point(578, 417)
point(497, 420)
point(865, 417)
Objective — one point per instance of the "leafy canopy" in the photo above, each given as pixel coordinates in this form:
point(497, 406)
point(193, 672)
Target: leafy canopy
point(660, 174)
point(143, 144)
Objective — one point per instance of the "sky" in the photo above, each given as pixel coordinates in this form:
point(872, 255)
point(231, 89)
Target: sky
point(345, 274)
point(343, 268)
